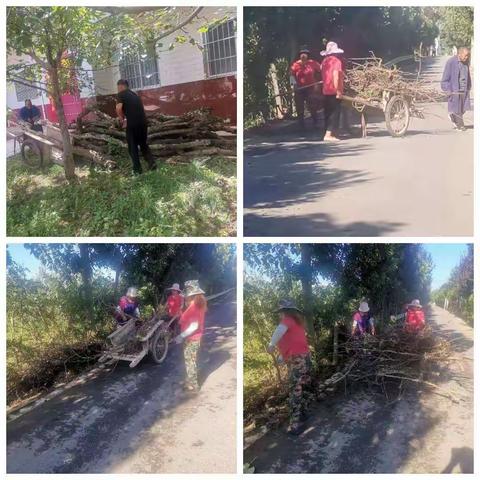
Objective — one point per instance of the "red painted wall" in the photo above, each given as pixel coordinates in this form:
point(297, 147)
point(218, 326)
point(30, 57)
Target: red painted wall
point(219, 94)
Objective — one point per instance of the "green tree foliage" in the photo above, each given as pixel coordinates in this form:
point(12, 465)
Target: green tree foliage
point(456, 26)
point(51, 44)
point(59, 314)
point(275, 34)
point(458, 290)
point(339, 276)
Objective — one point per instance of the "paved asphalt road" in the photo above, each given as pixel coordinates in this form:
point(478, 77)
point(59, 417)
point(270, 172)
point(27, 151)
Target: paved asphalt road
point(418, 185)
point(138, 420)
point(361, 433)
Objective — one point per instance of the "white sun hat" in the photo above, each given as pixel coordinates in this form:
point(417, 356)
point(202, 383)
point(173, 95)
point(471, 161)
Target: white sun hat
point(363, 308)
point(415, 303)
point(331, 49)
point(132, 292)
point(176, 287)
point(192, 288)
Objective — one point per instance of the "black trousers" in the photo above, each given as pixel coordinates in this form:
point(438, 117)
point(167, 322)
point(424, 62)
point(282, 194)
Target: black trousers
point(137, 138)
point(331, 110)
point(302, 97)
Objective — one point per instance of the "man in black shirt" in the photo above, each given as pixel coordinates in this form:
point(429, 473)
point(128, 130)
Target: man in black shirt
point(130, 107)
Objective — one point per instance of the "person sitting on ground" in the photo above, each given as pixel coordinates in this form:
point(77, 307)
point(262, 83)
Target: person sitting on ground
point(363, 322)
point(30, 114)
point(303, 73)
point(192, 323)
point(128, 307)
point(414, 316)
point(290, 338)
point(332, 76)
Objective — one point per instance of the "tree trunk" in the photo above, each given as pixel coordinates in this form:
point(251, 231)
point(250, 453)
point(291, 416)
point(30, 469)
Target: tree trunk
point(86, 272)
point(306, 279)
point(68, 162)
point(118, 272)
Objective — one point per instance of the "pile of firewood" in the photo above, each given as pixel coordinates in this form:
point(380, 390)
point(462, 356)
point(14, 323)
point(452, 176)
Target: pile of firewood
point(393, 357)
point(175, 139)
point(370, 79)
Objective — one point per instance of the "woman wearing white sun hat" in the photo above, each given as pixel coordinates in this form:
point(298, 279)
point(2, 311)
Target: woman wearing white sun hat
point(363, 321)
point(332, 77)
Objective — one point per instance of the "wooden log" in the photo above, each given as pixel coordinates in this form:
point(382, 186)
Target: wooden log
point(181, 146)
point(101, 137)
point(206, 151)
point(95, 157)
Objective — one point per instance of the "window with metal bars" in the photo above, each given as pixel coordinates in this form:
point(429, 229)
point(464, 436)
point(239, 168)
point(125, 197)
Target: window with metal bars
point(219, 49)
point(140, 69)
point(25, 92)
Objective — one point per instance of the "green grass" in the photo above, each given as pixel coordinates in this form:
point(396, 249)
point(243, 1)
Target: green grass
point(175, 200)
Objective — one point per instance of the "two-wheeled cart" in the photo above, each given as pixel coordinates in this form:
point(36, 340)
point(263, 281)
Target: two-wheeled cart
point(134, 340)
point(397, 108)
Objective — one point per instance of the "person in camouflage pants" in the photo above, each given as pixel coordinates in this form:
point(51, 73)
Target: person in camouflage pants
point(299, 380)
point(190, 353)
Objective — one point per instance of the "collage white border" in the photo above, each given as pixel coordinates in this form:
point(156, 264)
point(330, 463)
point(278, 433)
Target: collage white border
point(239, 240)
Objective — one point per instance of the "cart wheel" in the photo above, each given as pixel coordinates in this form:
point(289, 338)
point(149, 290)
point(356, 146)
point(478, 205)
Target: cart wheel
point(159, 346)
point(397, 116)
point(32, 154)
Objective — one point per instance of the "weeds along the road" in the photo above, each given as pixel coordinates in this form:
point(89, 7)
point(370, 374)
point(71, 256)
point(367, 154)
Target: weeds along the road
point(197, 199)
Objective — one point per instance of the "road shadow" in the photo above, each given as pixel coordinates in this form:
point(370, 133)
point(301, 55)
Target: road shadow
point(213, 353)
point(360, 429)
point(303, 176)
point(355, 417)
point(313, 225)
point(463, 457)
point(103, 422)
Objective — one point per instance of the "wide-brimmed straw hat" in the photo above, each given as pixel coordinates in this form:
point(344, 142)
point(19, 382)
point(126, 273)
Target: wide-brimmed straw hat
point(192, 288)
point(331, 49)
point(415, 303)
point(176, 287)
point(363, 308)
point(286, 304)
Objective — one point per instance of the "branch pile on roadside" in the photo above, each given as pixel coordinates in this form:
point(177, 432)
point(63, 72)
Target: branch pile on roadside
point(394, 357)
point(175, 139)
point(370, 79)
point(387, 362)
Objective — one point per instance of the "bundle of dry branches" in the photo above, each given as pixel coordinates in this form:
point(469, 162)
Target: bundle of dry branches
point(370, 79)
point(395, 356)
point(194, 134)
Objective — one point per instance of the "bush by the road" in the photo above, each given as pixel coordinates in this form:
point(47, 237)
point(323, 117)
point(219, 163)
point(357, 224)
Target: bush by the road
point(58, 319)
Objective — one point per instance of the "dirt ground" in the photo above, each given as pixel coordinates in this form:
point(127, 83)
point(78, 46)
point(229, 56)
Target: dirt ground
point(422, 432)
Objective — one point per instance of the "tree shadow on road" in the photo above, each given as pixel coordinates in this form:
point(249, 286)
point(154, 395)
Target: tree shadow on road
point(313, 225)
point(463, 457)
point(363, 430)
point(213, 352)
point(98, 425)
point(295, 173)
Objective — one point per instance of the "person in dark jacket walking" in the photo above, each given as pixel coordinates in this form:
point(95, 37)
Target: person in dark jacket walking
point(130, 107)
point(457, 83)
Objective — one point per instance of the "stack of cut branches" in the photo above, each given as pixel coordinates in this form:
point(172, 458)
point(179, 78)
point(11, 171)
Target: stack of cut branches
point(369, 80)
point(171, 138)
point(393, 357)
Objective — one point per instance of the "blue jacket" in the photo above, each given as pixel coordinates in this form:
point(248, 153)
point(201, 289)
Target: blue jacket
point(457, 104)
